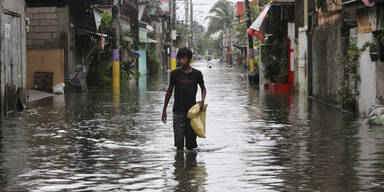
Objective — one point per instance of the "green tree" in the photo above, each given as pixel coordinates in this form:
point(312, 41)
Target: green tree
point(202, 40)
point(217, 44)
point(350, 79)
point(100, 69)
point(153, 61)
point(222, 16)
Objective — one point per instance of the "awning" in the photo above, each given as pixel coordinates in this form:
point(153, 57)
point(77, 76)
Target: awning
point(255, 28)
point(81, 32)
point(147, 40)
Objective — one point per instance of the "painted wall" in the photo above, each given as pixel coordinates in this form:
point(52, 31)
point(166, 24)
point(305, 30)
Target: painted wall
point(367, 88)
point(302, 61)
point(45, 60)
point(143, 61)
point(143, 58)
point(49, 29)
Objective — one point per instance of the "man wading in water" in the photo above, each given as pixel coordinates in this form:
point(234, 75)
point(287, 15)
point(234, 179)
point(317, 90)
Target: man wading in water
point(184, 80)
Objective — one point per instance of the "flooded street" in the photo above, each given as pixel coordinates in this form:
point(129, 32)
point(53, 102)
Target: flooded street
point(256, 141)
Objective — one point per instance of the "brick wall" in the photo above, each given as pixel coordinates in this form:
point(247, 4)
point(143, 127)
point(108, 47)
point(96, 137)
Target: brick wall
point(43, 29)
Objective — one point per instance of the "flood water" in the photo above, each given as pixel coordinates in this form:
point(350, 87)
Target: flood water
point(256, 141)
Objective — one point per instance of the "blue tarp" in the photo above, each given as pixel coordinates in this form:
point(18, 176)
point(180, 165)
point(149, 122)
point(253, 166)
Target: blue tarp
point(139, 53)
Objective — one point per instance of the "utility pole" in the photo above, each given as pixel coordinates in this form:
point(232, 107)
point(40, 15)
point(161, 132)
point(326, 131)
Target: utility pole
point(186, 5)
point(115, 48)
point(173, 36)
point(169, 34)
point(191, 27)
point(250, 38)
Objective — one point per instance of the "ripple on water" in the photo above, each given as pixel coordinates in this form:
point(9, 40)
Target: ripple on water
point(256, 141)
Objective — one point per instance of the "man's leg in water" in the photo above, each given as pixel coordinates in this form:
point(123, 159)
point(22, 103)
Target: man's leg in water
point(179, 130)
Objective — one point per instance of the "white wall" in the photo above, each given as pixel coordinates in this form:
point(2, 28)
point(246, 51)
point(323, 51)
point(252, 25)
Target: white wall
point(367, 88)
point(302, 61)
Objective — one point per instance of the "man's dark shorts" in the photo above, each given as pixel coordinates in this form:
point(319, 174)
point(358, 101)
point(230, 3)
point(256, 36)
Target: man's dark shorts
point(182, 128)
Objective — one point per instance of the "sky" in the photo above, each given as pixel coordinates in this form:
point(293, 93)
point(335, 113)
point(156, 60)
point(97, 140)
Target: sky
point(200, 10)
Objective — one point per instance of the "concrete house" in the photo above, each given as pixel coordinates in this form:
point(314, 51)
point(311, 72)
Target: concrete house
point(304, 20)
point(58, 40)
point(56, 43)
point(277, 66)
point(324, 37)
point(13, 55)
point(367, 25)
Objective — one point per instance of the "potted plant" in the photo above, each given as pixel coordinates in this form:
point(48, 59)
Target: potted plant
point(373, 51)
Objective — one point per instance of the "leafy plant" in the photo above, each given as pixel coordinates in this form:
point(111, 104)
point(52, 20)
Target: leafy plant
point(241, 32)
point(351, 78)
point(382, 38)
point(153, 61)
point(135, 73)
point(373, 47)
point(100, 70)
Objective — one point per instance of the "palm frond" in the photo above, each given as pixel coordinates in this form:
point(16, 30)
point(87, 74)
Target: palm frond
point(222, 16)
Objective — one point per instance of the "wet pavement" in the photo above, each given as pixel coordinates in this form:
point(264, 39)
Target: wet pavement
point(256, 141)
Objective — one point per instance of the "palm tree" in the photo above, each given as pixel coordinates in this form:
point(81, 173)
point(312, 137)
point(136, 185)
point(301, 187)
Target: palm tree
point(222, 17)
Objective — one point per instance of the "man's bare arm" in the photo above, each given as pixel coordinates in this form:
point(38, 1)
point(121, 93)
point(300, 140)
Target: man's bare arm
point(166, 101)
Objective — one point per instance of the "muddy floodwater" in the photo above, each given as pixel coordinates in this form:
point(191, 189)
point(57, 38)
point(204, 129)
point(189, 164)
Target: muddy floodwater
point(257, 140)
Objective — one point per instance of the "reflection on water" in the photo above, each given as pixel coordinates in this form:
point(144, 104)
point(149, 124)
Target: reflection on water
point(257, 140)
point(189, 174)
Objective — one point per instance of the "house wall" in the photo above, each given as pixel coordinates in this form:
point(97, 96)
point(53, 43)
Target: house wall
point(332, 16)
point(45, 60)
point(15, 10)
point(49, 29)
point(43, 31)
point(380, 79)
point(326, 72)
point(299, 13)
point(380, 63)
point(302, 61)
point(366, 24)
point(367, 87)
